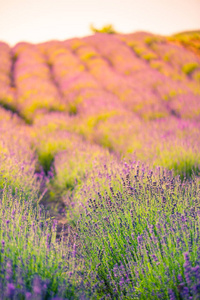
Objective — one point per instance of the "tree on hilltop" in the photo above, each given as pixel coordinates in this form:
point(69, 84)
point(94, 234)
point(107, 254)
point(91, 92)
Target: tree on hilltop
point(105, 29)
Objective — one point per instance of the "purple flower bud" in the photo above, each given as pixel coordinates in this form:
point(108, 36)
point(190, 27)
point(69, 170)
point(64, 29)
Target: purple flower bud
point(158, 225)
point(185, 292)
point(74, 250)
point(3, 243)
point(196, 268)
point(37, 286)
point(28, 295)
point(139, 239)
point(171, 295)
point(180, 278)
point(50, 174)
point(54, 224)
point(121, 283)
point(186, 255)
point(10, 289)
point(154, 257)
point(196, 289)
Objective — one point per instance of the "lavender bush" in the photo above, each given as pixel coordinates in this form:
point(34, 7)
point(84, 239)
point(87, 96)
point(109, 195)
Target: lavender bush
point(135, 227)
point(34, 264)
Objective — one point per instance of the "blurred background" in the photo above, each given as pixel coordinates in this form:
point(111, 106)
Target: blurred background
point(42, 20)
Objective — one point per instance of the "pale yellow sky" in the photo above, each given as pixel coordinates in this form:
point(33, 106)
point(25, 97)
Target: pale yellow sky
point(41, 20)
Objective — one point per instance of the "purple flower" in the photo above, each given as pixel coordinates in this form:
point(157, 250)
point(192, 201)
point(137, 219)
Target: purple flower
point(54, 224)
point(154, 257)
point(121, 283)
point(74, 250)
point(139, 239)
point(28, 295)
point(196, 268)
point(37, 286)
point(10, 289)
point(171, 295)
point(196, 289)
point(180, 278)
point(185, 293)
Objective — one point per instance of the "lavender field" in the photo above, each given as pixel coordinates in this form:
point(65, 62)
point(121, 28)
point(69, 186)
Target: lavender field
point(100, 168)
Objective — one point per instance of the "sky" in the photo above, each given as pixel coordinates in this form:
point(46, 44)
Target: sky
point(37, 21)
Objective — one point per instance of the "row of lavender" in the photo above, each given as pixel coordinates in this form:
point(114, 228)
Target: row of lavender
point(140, 233)
point(6, 90)
point(104, 114)
point(56, 76)
point(36, 262)
point(82, 79)
point(130, 221)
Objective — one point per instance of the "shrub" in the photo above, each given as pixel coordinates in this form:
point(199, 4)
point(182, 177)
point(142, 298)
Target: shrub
point(135, 226)
point(189, 68)
point(105, 29)
point(32, 261)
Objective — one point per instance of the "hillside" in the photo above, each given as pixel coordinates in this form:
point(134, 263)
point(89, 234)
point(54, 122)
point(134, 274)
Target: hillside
point(130, 94)
point(51, 76)
point(100, 123)
point(135, 94)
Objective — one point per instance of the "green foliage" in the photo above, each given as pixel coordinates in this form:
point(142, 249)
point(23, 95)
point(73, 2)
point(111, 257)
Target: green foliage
point(184, 162)
point(139, 51)
point(197, 76)
point(105, 29)
point(152, 40)
point(171, 94)
point(37, 104)
point(88, 56)
point(73, 110)
point(142, 52)
point(73, 106)
point(93, 121)
point(71, 168)
point(189, 39)
point(153, 115)
point(189, 68)
point(149, 56)
point(157, 65)
point(45, 159)
point(46, 151)
point(15, 172)
point(105, 141)
point(186, 37)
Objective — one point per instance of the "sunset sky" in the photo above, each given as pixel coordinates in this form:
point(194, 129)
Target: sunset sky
point(42, 20)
